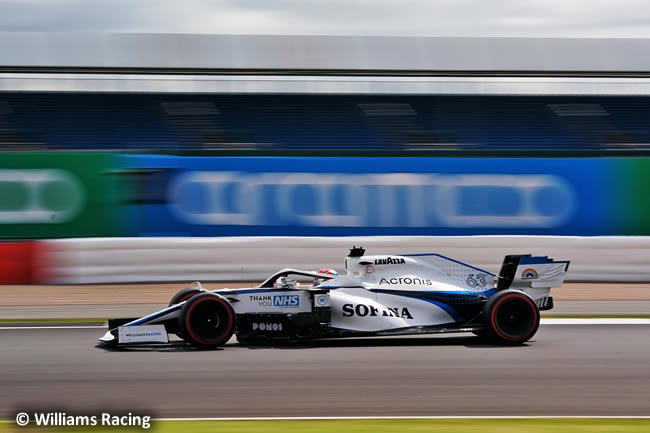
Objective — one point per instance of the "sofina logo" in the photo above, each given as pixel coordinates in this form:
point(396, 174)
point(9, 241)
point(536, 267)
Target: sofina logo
point(286, 301)
point(529, 274)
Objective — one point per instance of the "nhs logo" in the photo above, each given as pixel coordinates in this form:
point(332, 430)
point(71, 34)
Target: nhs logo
point(286, 300)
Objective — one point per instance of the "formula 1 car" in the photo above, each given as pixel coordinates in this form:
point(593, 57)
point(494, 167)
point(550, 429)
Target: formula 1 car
point(378, 295)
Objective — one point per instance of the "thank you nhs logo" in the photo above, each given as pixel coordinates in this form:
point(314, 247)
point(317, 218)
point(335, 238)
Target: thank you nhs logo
point(286, 300)
point(372, 200)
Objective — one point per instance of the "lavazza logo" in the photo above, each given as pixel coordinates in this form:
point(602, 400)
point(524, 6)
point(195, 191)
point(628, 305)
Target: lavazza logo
point(276, 300)
point(363, 310)
point(390, 261)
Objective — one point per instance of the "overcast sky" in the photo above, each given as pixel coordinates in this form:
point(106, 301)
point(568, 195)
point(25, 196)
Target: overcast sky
point(534, 18)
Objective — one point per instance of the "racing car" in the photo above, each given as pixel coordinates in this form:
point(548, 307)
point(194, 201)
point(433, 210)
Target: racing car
point(377, 295)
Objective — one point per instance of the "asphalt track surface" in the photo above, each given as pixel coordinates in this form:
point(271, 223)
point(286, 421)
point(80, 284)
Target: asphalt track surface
point(587, 307)
point(565, 370)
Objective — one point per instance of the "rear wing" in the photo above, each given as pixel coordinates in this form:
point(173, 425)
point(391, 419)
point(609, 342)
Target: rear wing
point(535, 275)
point(527, 271)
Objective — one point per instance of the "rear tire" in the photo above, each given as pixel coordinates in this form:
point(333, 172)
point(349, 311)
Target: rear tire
point(511, 317)
point(207, 321)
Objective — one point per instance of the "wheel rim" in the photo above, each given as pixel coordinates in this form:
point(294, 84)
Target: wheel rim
point(208, 321)
point(514, 318)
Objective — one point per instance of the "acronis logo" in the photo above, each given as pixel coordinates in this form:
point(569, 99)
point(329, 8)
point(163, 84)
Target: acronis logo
point(286, 300)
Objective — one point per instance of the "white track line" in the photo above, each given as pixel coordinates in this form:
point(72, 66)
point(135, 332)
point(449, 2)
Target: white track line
point(544, 321)
point(53, 327)
point(315, 418)
point(594, 321)
point(371, 418)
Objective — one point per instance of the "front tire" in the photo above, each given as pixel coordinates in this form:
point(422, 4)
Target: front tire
point(183, 296)
point(172, 325)
point(207, 320)
point(511, 317)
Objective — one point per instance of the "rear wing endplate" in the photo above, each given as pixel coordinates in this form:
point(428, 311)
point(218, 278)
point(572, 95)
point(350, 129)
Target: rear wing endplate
point(528, 271)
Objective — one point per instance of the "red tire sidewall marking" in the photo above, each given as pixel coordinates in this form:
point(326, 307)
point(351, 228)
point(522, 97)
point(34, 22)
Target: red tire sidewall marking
point(495, 309)
point(189, 314)
point(186, 297)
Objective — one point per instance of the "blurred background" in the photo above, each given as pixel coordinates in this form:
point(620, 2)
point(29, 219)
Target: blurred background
point(148, 144)
point(125, 136)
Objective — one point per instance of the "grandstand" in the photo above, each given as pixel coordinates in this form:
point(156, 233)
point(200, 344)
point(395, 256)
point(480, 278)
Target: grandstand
point(137, 122)
point(200, 93)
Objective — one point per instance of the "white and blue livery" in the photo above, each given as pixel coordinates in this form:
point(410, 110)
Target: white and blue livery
point(377, 295)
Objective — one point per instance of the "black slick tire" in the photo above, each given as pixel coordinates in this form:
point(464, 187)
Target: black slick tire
point(511, 317)
point(172, 325)
point(207, 320)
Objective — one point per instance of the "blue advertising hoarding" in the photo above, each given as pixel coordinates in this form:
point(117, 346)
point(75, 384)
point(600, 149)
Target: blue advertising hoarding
point(277, 196)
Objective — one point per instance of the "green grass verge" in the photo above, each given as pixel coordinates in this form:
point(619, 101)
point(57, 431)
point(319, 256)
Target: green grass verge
point(554, 425)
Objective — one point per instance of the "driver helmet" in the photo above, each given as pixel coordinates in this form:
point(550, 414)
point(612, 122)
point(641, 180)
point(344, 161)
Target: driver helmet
point(327, 271)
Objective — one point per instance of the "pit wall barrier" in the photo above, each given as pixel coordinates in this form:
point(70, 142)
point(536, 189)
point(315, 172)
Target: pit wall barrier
point(124, 260)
